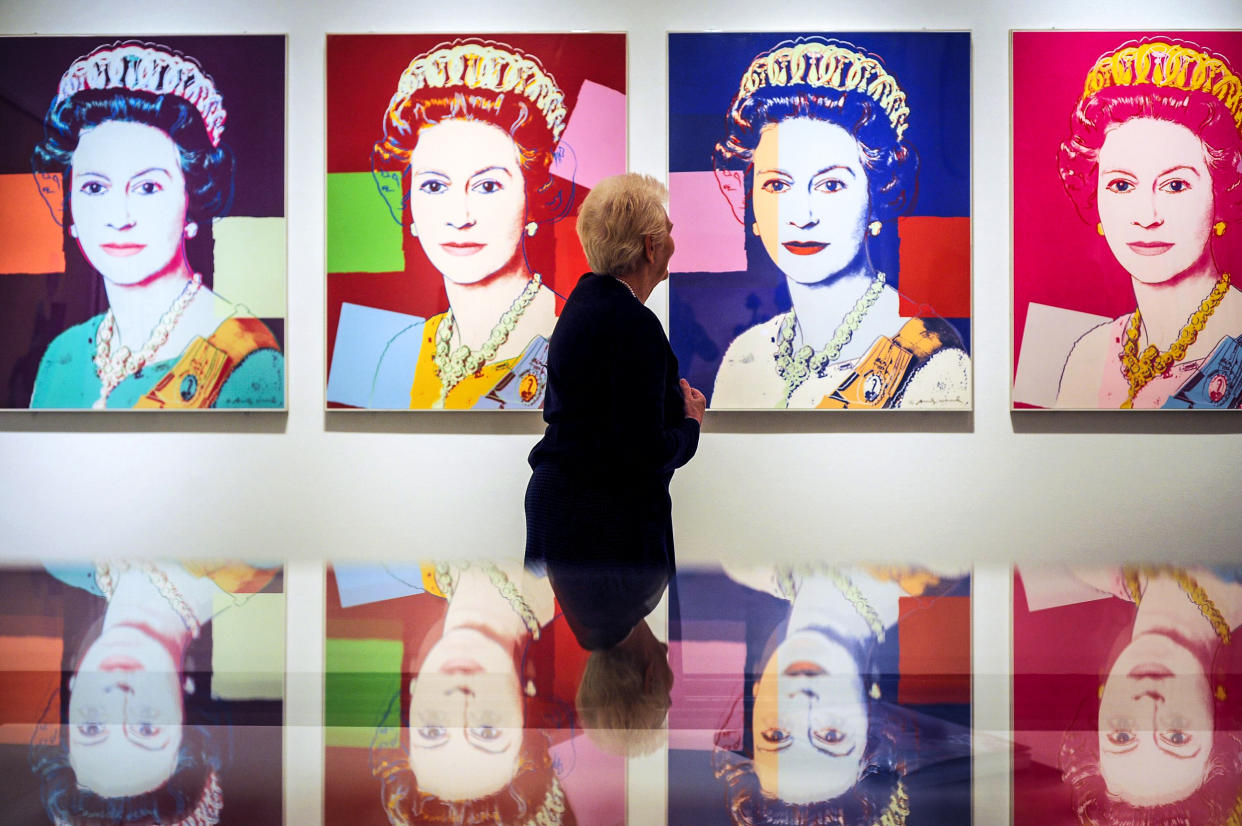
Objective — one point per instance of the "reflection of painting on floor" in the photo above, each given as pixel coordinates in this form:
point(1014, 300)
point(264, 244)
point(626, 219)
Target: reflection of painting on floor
point(230, 685)
point(383, 623)
point(1101, 653)
point(820, 693)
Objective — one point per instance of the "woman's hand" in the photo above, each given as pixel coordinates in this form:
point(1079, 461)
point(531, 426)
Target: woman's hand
point(695, 401)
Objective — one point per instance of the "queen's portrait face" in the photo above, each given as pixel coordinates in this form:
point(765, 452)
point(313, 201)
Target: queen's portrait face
point(1155, 198)
point(125, 714)
point(128, 201)
point(810, 720)
point(1156, 723)
point(467, 199)
point(465, 717)
point(810, 198)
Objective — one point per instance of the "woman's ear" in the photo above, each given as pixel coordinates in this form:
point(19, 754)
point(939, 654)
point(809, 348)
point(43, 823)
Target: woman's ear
point(649, 248)
point(52, 191)
point(732, 184)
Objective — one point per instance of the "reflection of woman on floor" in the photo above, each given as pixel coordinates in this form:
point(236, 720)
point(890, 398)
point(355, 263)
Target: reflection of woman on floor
point(131, 754)
point(1166, 749)
point(466, 755)
point(1155, 157)
point(469, 136)
point(134, 137)
point(822, 163)
point(823, 751)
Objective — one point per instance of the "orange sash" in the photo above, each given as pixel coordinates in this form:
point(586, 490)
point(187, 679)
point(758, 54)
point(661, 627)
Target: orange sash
point(881, 374)
point(195, 380)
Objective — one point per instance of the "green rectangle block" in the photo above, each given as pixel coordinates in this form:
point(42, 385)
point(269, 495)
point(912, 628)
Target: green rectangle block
point(361, 681)
point(363, 235)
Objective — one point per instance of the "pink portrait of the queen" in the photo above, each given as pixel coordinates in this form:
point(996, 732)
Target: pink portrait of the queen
point(1127, 220)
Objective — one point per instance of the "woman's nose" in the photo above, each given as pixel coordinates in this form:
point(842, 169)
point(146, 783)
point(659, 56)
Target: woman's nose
point(459, 215)
point(1147, 215)
point(119, 217)
point(800, 215)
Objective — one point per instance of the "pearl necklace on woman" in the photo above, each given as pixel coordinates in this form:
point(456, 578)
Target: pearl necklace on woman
point(796, 368)
point(455, 365)
point(106, 575)
point(114, 368)
point(447, 584)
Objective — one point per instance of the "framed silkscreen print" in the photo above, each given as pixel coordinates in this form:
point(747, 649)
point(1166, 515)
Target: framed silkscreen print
point(1127, 220)
point(815, 693)
point(456, 165)
point(142, 255)
point(820, 184)
point(452, 695)
point(1126, 681)
point(141, 689)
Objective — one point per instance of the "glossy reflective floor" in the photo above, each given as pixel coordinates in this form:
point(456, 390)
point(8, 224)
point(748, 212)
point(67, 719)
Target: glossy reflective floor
point(810, 694)
point(134, 691)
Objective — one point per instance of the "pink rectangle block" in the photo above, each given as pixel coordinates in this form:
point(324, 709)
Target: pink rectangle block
point(709, 238)
point(593, 146)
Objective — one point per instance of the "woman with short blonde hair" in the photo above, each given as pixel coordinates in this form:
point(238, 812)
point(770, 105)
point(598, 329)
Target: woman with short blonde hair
point(615, 218)
point(619, 418)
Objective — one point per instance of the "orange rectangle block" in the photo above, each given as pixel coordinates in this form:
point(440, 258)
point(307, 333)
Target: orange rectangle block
point(935, 266)
point(934, 662)
point(29, 686)
point(30, 239)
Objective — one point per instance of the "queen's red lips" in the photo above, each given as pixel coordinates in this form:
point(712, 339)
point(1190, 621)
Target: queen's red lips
point(461, 248)
point(122, 250)
point(120, 662)
point(1149, 247)
point(803, 247)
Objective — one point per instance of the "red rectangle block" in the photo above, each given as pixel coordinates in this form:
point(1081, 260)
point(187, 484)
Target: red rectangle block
point(935, 266)
point(934, 662)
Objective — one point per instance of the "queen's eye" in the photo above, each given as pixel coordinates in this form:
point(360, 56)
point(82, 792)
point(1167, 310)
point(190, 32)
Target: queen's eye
point(485, 732)
point(1120, 186)
point(774, 185)
point(1176, 737)
point(830, 185)
point(831, 736)
point(431, 733)
point(146, 730)
point(488, 186)
point(1121, 737)
point(90, 729)
point(149, 188)
point(432, 186)
point(92, 188)
point(1175, 185)
point(775, 736)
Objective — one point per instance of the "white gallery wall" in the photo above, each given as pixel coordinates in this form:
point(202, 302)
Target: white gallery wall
point(989, 487)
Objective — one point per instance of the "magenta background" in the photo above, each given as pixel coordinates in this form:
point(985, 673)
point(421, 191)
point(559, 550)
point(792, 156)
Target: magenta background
point(1059, 259)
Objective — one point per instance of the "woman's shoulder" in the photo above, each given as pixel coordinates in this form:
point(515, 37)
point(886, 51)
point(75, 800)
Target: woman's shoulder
point(66, 376)
point(1085, 363)
point(258, 379)
point(747, 375)
point(942, 382)
point(75, 339)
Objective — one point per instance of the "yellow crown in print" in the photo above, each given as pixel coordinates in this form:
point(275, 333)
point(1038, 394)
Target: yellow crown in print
point(1170, 65)
point(486, 65)
point(828, 65)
